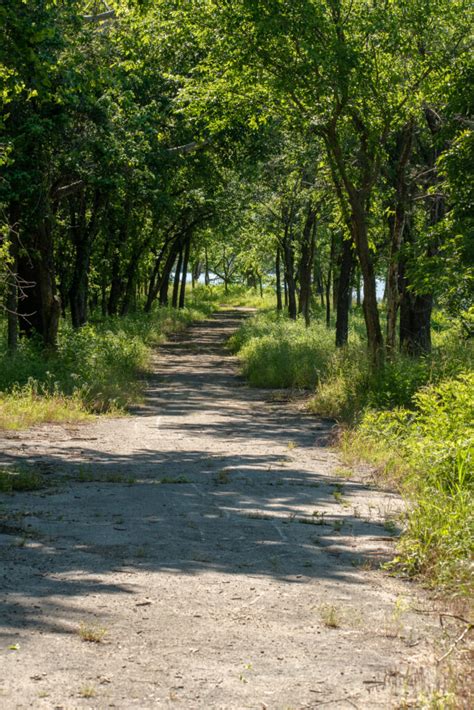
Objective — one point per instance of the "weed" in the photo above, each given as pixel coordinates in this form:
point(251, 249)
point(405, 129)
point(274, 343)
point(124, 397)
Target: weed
point(275, 562)
point(311, 521)
point(394, 623)
point(343, 472)
point(259, 516)
point(13, 480)
point(91, 633)
point(87, 475)
point(365, 565)
point(94, 369)
point(390, 526)
point(169, 480)
point(222, 477)
point(330, 616)
point(88, 692)
point(437, 700)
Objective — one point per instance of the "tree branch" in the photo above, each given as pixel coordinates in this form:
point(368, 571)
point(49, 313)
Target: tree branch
point(101, 17)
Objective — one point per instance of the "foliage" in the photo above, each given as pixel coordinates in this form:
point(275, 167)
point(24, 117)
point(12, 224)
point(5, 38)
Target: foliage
point(433, 446)
point(277, 352)
point(19, 480)
point(94, 369)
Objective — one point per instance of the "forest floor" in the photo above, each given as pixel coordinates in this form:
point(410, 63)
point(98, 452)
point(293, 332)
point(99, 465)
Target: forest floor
point(209, 549)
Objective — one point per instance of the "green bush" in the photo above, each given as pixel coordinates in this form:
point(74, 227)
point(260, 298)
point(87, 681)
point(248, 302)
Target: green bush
point(433, 443)
point(277, 352)
point(95, 369)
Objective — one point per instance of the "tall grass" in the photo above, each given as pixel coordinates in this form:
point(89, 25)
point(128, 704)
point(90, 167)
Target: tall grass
point(237, 295)
point(94, 369)
point(279, 353)
point(431, 447)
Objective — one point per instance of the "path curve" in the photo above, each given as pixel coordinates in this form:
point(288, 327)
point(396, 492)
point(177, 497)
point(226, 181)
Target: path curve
point(210, 535)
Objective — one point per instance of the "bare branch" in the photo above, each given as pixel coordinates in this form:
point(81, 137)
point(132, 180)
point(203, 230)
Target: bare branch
point(61, 192)
point(101, 17)
point(189, 147)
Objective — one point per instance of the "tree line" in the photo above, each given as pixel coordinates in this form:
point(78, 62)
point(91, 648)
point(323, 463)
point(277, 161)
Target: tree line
point(320, 145)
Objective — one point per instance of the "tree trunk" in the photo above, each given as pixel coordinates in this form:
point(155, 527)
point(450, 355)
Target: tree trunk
point(397, 226)
point(83, 232)
point(306, 264)
point(289, 274)
point(329, 279)
point(42, 306)
point(344, 295)
point(357, 199)
point(415, 319)
point(177, 276)
point(358, 289)
point(130, 279)
point(12, 285)
point(278, 279)
point(163, 282)
point(371, 311)
point(182, 293)
point(116, 286)
point(207, 279)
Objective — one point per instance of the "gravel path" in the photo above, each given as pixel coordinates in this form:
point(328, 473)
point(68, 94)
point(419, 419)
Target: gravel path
point(210, 535)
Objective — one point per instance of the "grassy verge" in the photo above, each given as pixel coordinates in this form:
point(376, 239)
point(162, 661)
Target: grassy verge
point(412, 420)
point(429, 450)
point(95, 369)
point(237, 295)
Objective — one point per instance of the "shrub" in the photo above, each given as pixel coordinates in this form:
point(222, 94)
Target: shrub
point(433, 445)
point(94, 370)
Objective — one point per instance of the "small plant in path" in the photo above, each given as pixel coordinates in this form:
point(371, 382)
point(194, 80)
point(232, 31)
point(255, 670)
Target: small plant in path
point(92, 633)
point(330, 616)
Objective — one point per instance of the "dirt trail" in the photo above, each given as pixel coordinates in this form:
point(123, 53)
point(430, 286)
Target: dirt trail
point(209, 534)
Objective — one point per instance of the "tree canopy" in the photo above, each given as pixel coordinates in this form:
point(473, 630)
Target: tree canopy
point(320, 146)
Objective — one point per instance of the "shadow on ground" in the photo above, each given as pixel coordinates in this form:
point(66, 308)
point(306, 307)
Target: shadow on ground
point(227, 481)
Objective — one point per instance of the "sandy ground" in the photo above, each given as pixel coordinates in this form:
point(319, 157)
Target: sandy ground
point(210, 535)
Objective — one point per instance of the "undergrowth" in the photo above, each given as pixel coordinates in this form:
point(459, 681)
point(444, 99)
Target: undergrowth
point(279, 353)
point(16, 480)
point(430, 450)
point(94, 370)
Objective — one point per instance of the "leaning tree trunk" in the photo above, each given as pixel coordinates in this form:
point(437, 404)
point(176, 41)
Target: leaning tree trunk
point(371, 311)
point(164, 281)
point(177, 276)
point(356, 198)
